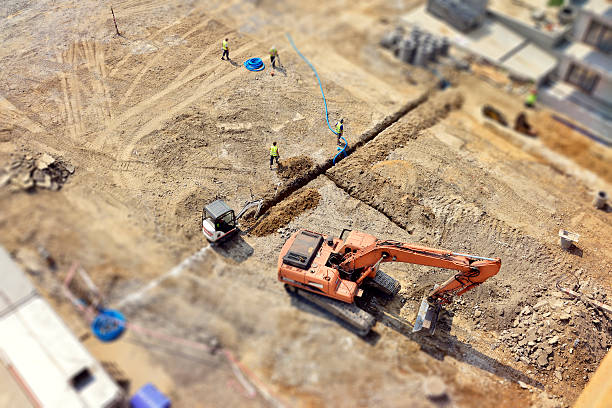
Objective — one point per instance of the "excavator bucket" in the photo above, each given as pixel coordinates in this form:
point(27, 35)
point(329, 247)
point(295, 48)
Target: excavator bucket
point(427, 317)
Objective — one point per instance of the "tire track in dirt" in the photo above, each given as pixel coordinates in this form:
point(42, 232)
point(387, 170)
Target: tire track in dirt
point(86, 97)
point(94, 57)
point(10, 115)
point(196, 70)
point(70, 107)
point(156, 58)
point(204, 87)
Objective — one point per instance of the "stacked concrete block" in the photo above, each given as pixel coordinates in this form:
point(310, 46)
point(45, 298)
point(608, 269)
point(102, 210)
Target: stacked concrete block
point(416, 47)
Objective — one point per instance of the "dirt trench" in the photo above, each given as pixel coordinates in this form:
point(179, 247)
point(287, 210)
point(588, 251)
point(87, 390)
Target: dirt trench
point(284, 212)
point(302, 178)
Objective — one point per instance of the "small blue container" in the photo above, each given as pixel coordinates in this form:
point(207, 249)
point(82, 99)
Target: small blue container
point(149, 397)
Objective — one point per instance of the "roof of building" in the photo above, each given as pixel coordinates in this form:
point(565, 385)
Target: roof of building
point(530, 61)
point(601, 7)
point(52, 366)
point(523, 12)
point(15, 287)
point(493, 41)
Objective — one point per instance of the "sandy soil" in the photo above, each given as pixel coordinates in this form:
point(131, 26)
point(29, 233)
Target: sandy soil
point(156, 126)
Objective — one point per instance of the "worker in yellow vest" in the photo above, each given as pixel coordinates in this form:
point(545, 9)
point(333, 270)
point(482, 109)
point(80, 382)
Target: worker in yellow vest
point(273, 56)
point(273, 154)
point(531, 98)
point(225, 48)
point(340, 129)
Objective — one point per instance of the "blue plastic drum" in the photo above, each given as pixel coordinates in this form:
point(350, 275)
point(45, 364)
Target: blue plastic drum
point(108, 325)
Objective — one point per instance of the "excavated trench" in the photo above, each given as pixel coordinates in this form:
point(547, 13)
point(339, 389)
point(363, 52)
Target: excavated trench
point(421, 115)
point(300, 181)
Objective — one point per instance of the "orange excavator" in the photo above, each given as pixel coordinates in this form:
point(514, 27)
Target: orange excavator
point(333, 273)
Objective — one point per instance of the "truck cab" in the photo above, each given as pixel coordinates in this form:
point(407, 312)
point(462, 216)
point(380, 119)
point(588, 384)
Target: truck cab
point(218, 221)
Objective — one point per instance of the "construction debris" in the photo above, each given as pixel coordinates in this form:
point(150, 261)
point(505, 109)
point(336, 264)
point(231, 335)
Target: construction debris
point(27, 173)
point(567, 238)
point(600, 201)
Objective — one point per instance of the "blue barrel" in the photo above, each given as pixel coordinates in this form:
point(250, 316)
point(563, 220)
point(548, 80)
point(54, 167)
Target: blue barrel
point(108, 325)
point(149, 397)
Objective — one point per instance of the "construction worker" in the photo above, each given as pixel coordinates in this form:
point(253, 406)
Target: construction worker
point(273, 56)
point(340, 128)
point(225, 48)
point(273, 154)
point(531, 98)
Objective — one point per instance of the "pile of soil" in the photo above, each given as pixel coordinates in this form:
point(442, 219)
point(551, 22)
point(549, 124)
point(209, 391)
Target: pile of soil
point(585, 152)
point(285, 211)
point(294, 167)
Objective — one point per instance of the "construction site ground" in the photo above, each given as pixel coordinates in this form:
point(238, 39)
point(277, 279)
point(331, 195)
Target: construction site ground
point(154, 125)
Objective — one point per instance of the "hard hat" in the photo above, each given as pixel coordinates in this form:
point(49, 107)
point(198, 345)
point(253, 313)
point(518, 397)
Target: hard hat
point(341, 120)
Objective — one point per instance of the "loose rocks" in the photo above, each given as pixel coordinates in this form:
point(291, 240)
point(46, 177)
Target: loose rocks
point(27, 173)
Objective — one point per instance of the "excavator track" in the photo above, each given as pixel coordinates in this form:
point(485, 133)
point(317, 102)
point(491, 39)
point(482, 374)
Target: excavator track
point(350, 313)
point(384, 283)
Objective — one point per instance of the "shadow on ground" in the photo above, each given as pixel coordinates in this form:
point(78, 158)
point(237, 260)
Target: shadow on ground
point(443, 344)
point(235, 248)
point(438, 346)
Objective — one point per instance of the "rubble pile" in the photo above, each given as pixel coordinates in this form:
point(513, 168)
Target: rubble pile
point(28, 173)
point(553, 333)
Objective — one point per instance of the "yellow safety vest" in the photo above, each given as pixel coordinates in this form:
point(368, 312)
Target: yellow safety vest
point(339, 128)
point(531, 98)
point(273, 150)
point(273, 52)
point(225, 45)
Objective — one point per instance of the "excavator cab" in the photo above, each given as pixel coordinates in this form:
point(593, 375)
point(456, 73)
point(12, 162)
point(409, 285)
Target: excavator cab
point(218, 221)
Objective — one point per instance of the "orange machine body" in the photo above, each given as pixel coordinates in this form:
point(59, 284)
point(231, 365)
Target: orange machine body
point(336, 268)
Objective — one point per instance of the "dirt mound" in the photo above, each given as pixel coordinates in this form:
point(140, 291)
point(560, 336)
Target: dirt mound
point(188, 213)
point(294, 166)
point(282, 213)
point(572, 144)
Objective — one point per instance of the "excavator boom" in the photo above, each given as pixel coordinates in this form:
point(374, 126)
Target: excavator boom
point(472, 270)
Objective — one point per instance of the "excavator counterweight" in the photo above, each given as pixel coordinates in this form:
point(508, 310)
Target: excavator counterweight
point(332, 272)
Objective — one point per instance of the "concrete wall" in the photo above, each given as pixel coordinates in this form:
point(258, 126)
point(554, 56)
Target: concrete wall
point(576, 107)
point(581, 24)
point(603, 91)
point(545, 40)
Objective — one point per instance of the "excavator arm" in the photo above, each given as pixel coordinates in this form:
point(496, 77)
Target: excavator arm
point(472, 270)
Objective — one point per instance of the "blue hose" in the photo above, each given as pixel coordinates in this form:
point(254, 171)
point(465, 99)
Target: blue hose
point(320, 85)
point(254, 64)
point(341, 151)
point(108, 325)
